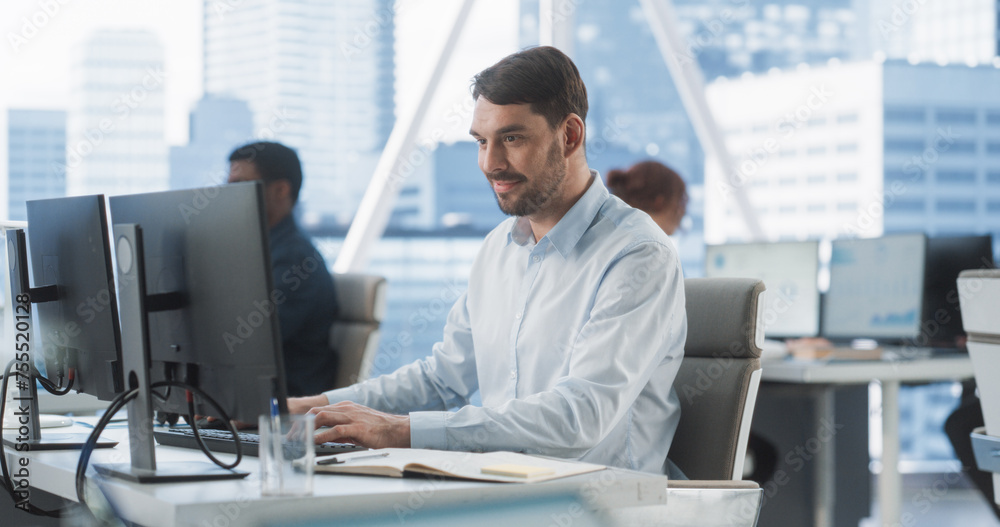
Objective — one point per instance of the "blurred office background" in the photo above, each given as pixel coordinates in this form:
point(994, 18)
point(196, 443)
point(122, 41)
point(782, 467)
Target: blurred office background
point(846, 118)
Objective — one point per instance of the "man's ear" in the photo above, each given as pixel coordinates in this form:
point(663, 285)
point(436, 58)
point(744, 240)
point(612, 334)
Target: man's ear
point(574, 130)
point(281, 188)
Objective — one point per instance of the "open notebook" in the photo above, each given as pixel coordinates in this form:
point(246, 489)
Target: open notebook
point(506, 467)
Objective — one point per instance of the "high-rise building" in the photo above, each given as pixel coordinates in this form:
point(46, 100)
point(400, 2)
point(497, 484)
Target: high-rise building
point(953, 32)
point(858, 150)
point(217, 126)
point(36, 141)
point(115, 125)
point(318, 76)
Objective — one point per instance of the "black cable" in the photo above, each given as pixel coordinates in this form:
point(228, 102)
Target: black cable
point(118, 403)
point(201, 443)
point(88, 448)
point(52, 387)
point(8, 482)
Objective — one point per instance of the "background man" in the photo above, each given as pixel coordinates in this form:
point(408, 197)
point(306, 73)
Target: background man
point(299, 271)
point(573, 325)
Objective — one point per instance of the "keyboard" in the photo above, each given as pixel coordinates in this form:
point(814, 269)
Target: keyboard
point(222, 441)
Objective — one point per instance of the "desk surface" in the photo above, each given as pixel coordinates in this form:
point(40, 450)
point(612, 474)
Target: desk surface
point(862, 371)
point(239, 502)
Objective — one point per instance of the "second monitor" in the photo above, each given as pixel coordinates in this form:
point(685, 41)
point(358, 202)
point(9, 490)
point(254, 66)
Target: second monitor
point(788, 269)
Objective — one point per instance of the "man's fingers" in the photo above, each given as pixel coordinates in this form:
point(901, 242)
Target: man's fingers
point(337, 434)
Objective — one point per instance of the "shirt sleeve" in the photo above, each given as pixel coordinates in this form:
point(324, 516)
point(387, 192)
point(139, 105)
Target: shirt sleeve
point(636, 324)
point(445, 379)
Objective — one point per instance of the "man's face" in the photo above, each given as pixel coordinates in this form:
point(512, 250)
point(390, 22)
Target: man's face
point(274, 192)
point(240, 171)
point(520, 154)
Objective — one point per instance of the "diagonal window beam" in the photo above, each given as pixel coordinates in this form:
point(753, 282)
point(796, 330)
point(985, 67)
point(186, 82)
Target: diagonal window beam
point(380, 197)
point(691, 86)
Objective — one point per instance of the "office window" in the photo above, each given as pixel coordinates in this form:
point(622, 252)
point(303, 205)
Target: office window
point(786, 181)
point(816, 208)
point(956, 206)
point(760, 128)
point(817, 180)
point(758, 183)
point(816, 122)
point(786, 152)
point(845, 206)
point(993, 178)
point(846, 177)
point(903, 114)
point(993, 207)
point(993, 118)
point(846, 118)
point(993, 148)
point(960, 148)
point(816, 151)
point(786, 209)
point(962, 177)
point(907, 205)
point(960, 117)
point(847, 148)
point(904, 146)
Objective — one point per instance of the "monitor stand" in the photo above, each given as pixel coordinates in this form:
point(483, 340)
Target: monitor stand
point(23, 408)
point(135, 361)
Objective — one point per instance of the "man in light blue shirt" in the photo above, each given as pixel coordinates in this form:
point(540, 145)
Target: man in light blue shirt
point(573, 325)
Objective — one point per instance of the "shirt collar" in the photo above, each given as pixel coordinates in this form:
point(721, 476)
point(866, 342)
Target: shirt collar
point(572, 226)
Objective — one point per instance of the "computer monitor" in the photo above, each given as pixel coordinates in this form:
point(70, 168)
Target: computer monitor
point(68, 248)
point(946, 258)
point(73, 300)
point(789, 271)
point(197, 302)
point(876, 289)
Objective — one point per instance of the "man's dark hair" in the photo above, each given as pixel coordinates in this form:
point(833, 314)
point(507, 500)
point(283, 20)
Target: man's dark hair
point(542, 77)
point(274, 161)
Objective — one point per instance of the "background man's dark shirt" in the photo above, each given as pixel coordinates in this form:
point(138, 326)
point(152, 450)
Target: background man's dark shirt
point(307, 311)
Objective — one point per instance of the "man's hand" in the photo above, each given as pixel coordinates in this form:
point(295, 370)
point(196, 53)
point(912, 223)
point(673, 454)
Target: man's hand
point(352, 423)
point(301, 405)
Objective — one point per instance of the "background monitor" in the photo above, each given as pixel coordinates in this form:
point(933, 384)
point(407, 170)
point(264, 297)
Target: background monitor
point(946, 258)
point(68, 248)
point(876, 288)
point(212, 318)
point(789, 271)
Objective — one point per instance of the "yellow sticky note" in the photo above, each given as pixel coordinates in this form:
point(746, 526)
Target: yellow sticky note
point(518, 471)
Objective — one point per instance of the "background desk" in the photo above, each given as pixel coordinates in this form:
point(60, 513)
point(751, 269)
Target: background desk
point(891, 374)
point(240, 503)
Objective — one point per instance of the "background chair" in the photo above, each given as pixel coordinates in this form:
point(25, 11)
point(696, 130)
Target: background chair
point(718, 378)
point(717, 386)
point(354, 334)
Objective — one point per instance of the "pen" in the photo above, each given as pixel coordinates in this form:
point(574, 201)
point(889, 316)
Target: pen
point(334, 461)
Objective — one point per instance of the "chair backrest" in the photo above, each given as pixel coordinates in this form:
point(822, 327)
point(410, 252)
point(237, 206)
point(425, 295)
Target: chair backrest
point(719, 375)
point(355, 332)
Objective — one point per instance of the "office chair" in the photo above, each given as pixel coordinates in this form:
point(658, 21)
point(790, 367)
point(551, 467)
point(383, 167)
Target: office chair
point(717, 387)
point(355, 332)
point(719, 375)
point(978, 291)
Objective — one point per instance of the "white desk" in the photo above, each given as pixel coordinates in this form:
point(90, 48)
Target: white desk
point(890, 373)
point(239, 502)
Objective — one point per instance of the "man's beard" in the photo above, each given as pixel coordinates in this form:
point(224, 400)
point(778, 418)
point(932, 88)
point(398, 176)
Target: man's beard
point(538, 192)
